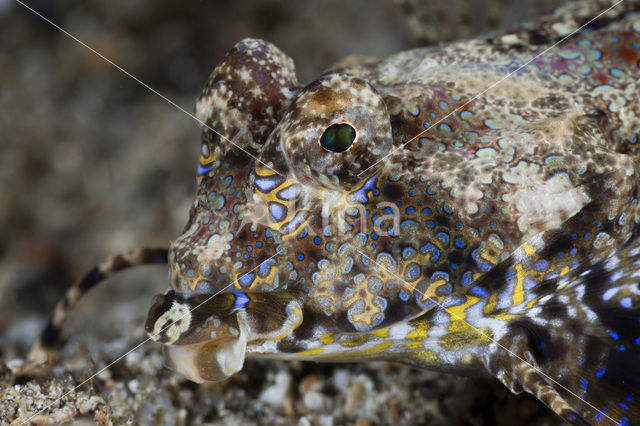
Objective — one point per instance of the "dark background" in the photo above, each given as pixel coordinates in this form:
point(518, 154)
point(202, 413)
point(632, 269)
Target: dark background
point(92, 163)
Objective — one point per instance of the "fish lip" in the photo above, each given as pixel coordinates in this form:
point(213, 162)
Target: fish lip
point(211, 361)
point(203, 350)
point(211, 345)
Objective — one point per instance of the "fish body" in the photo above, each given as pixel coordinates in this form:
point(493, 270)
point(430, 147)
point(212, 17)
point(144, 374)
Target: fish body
point(470, 208)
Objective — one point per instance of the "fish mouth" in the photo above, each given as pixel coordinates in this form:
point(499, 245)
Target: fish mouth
point(212, 361)
point(205, 337)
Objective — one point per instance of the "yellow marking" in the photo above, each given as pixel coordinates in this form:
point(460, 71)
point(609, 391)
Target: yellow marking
point(427, 357)
point(361, 285)
point(465, 336)
point(504, 317)
point(291, 212)
point(500, 314)
point(271, 195)
point(491, 305)
point(533, 302)
point(258, 280)
point(263, 171)
point(290, 327)
point(491, 259)
point(403, 267)
point(327, 339)
point(374, 350)
point(431, 290)
point(413, 345)
point(457, 312)
point(417, 334)
point(485, 253)
point(210, 159)
point(381, 333)
point(311, 352)
point(436, 243)
point(564, 271)
point(518, 291)
point(528, 248)
point(569, 282)
point(355, 341)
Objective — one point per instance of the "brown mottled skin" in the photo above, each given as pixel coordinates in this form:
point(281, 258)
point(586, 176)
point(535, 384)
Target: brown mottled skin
point(483, 232)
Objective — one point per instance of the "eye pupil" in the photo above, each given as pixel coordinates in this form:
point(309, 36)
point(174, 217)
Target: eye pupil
point(338, 137)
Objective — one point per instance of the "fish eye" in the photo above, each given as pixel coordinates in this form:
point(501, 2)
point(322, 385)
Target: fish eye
point(338, 137)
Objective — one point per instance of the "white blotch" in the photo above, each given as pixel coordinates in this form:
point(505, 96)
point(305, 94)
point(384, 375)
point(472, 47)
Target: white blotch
point(216, 246)
point(179, 316)
point(543, 204)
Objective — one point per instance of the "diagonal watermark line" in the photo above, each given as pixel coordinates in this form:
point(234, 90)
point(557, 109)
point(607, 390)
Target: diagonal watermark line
point(151, 89)
point(491, 86)
point(390, 153)
point(453, 314)
point(140, 344)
